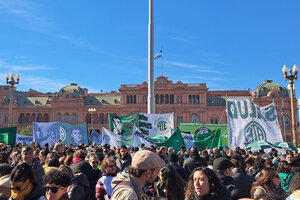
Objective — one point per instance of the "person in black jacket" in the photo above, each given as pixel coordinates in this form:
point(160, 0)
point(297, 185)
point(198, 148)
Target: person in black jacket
point(194, 161)
point(242, 182)
point(124, 160)
point(223, 169)
point(24, 184)
point(81, 166)
point(174, 162)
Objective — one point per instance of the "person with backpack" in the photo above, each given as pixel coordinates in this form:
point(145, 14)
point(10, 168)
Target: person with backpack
point(143, 171)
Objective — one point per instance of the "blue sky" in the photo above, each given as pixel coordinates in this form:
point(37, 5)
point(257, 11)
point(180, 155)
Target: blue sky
point(230, 45)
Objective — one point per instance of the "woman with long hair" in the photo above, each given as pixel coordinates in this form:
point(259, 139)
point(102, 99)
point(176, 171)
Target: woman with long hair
point(204, 184)
point(268, 182)
point(24, 184)
point(170, 185)
point(285, 174)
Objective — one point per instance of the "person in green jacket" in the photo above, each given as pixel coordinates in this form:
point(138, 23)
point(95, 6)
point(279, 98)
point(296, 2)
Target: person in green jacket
point(285, 174)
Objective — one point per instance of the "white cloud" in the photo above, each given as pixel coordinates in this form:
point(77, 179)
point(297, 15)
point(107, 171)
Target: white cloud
point(11, 67)
point(184, 65)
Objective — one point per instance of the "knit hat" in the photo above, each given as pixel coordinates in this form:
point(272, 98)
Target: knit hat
point(222, 163)
point(145, 159)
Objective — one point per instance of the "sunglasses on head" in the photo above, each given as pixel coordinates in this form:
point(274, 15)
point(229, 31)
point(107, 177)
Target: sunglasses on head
point(16, 188)
point(53, 189)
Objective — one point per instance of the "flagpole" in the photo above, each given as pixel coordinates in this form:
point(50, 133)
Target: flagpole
point(161, 63)
point(151, 103)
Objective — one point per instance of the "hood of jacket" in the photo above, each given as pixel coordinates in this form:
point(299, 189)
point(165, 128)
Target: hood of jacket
point(81, 179)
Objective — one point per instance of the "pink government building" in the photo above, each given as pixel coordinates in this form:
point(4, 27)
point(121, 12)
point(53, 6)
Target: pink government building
point(190, 102)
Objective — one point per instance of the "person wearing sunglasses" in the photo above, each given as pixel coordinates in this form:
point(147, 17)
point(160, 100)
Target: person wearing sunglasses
point(56, 185)
point(24, 184)
point(268, 182)
point(103, 187)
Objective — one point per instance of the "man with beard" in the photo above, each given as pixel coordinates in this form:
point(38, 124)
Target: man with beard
point(124, 160)
point(143, 171)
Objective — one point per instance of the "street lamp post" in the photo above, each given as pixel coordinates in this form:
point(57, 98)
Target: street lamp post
point(91, 112)
point(12, 82)
point(291, 78)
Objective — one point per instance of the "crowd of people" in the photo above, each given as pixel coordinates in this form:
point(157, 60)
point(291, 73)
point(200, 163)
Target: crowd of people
point(95, 172)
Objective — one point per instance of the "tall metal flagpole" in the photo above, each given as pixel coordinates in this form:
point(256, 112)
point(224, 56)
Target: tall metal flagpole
point(151, 105)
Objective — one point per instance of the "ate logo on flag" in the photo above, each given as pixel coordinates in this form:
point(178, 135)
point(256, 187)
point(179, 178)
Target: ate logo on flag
point(162, 126)
point(253, 132)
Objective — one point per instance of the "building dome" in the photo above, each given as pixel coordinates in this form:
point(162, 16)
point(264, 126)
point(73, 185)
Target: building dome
point(73, 90)
point(268, 88)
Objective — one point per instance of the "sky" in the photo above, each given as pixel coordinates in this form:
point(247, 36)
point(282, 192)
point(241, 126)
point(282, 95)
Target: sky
point(100, 45)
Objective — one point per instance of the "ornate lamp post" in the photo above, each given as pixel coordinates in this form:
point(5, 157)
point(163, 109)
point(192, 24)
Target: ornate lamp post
point(91, 112)
point(12, 83)
point(291, 78)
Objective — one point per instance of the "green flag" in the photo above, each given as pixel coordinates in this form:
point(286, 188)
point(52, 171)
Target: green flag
point(174, 141)
point(8, 135)
point(208, 140)
point(200, 128)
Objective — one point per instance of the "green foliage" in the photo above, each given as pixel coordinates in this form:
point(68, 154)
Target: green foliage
point(25, 132)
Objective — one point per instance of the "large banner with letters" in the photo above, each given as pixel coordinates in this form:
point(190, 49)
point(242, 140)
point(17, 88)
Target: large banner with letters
point(156, 124)
point(138, 138)
point(149, 124)
point(51, 132)
point(248, 122)
point(110, 138)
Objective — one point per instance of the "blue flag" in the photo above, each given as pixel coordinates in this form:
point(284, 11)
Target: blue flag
point(159, 55)
point(95, 137)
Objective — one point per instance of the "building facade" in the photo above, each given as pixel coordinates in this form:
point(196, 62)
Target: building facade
point(191, 103)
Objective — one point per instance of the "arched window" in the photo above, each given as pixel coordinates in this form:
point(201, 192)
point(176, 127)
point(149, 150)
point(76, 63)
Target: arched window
point(134, 99)
point(157, 99)
point(46, 117)
point(194, 118)
point(131, 100)
point(190, 99)
point(161, 99)
point(101, 119)
point(171, 99)
point(74, 118)
point(198, 100)
point(194, 99)
point(67, 118)
point(59, 117)
point(166, 99)
point(39, 117)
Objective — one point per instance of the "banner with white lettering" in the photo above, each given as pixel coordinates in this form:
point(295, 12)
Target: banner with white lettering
point(111, 138)
point(248, 122)
point(139, 138)
point(24, 138)
point(156, 124)
point(188, 140)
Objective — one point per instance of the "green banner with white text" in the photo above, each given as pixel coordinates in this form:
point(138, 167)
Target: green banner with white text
point(8, 135)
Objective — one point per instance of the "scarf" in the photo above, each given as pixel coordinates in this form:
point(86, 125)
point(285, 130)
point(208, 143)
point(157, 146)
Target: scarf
point(76, 159)
point(22, 194)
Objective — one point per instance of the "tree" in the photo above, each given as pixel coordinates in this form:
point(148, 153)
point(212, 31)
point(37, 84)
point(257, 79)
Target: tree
point(25, 132)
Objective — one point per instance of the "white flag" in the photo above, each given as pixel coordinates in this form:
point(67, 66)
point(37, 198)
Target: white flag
point(139, 138)
point(248, 122)
point(111, 138)
point(188, 140)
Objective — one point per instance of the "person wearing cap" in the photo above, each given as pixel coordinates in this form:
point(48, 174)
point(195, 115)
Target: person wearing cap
point(223, 169)
point(143, 171)
point(268, 161)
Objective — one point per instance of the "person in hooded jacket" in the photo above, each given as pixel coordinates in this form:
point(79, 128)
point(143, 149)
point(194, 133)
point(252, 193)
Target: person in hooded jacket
point(80, 188)
point(285, 174)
